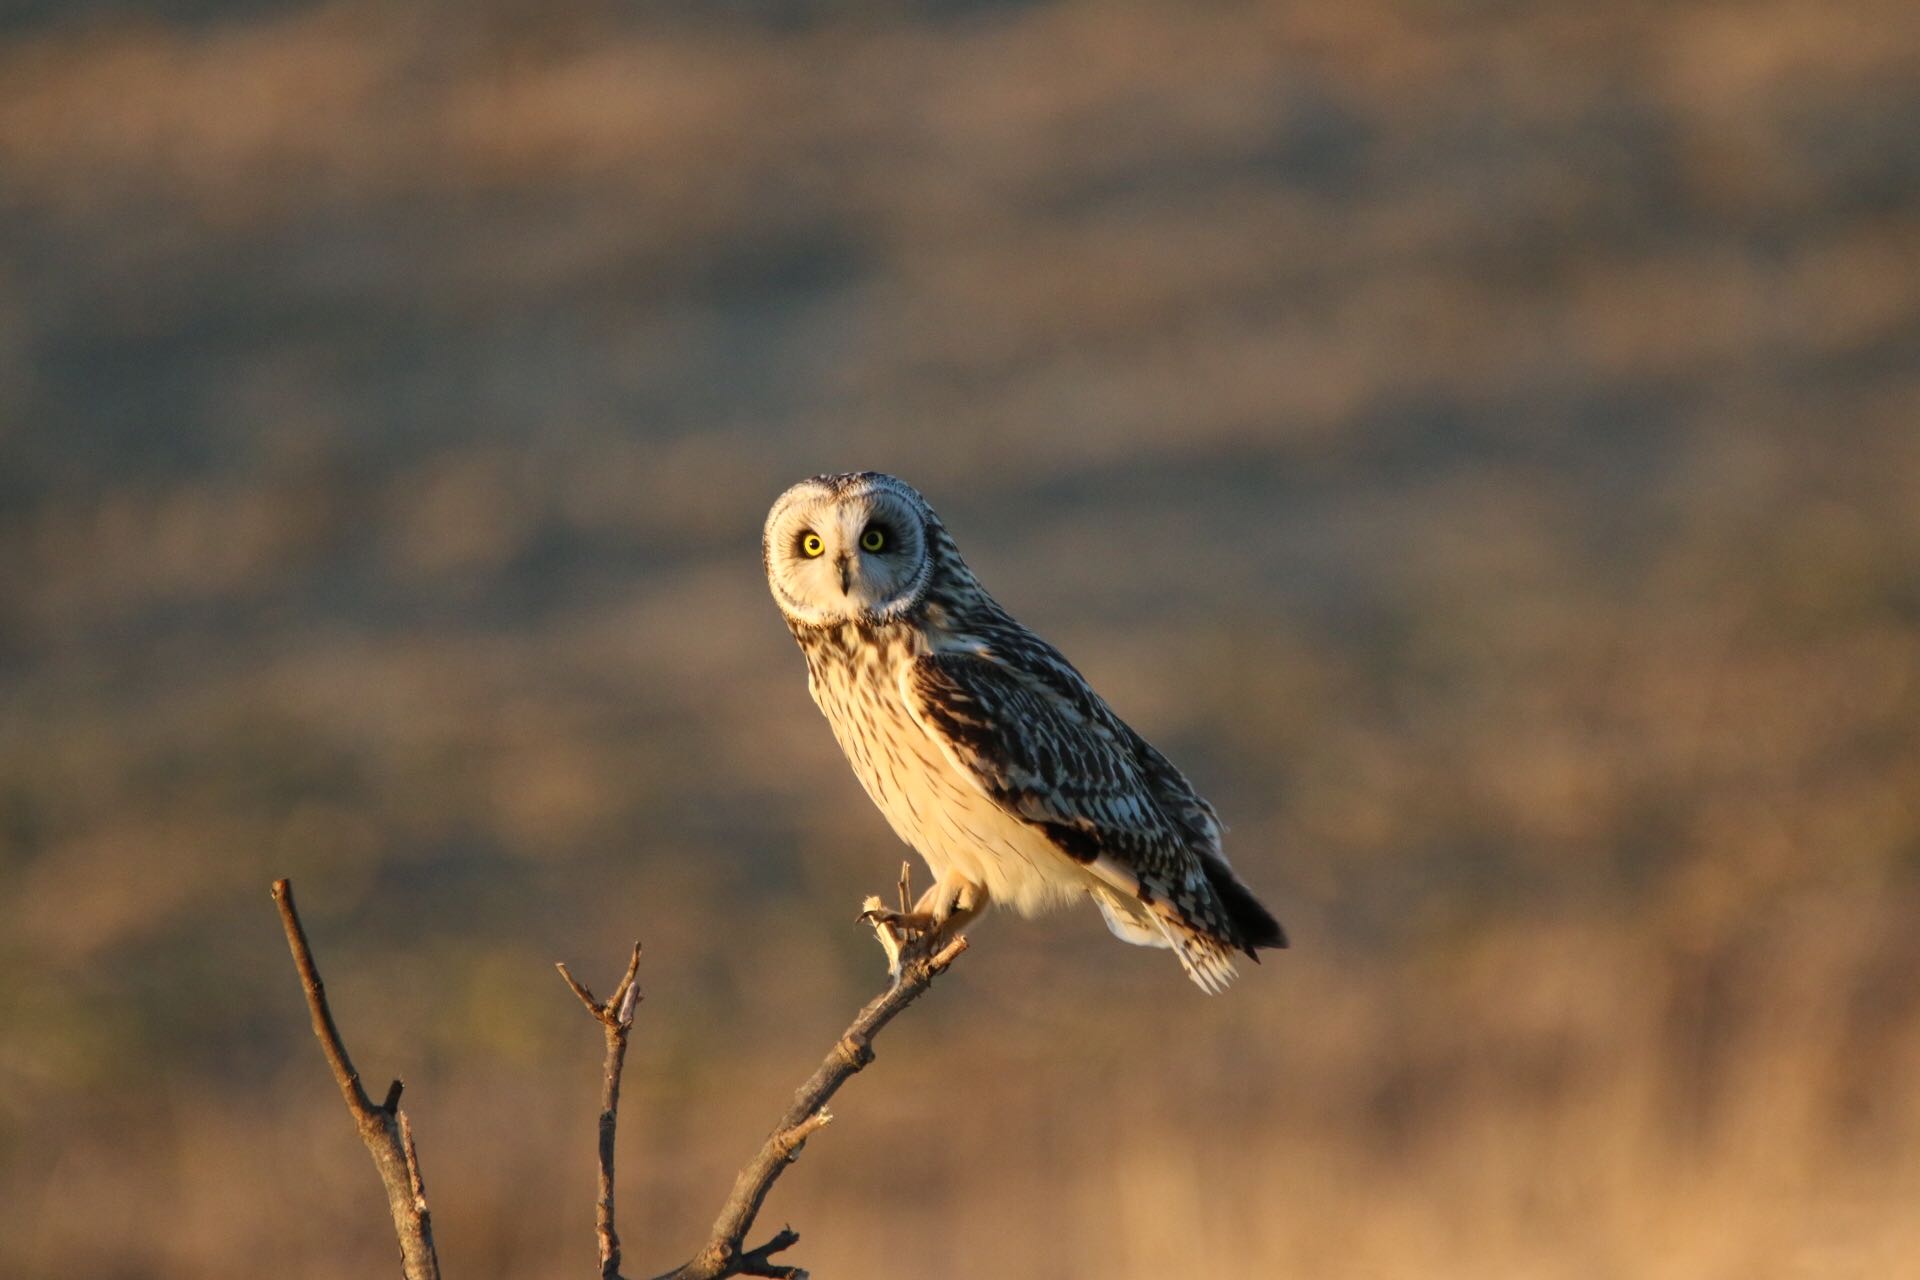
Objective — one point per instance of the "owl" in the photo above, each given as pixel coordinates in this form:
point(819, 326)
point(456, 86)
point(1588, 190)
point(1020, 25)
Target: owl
point(985, 749)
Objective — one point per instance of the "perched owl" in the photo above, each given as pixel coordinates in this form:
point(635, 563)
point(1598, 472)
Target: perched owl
point(984, 748)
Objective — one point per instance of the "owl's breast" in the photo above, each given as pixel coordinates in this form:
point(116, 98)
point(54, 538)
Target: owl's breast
point(856, 679)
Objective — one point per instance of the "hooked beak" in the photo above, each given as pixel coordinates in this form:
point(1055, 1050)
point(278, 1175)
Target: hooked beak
point(846, 570)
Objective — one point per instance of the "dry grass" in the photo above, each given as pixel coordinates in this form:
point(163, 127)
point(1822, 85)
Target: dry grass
point(1476, 441)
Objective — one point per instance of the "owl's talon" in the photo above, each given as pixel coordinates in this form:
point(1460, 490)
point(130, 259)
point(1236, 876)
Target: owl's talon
point(914, 923)
point(903, 935)
point(882, 933)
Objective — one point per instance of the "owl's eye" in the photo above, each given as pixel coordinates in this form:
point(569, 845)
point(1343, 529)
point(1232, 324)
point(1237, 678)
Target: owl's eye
point(874, 539)
point(811, 546)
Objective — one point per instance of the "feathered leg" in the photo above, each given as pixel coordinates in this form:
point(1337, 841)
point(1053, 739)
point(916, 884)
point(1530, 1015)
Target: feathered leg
point(951, 904)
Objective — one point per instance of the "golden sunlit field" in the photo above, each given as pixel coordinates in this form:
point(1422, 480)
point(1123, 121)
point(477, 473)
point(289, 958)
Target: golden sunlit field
point(1478, 440)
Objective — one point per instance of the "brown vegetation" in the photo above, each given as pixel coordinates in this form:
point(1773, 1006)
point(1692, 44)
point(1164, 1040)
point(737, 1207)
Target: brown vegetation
point(1478, 442)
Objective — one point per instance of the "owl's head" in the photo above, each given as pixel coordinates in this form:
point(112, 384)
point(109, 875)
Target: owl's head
point(850, 547)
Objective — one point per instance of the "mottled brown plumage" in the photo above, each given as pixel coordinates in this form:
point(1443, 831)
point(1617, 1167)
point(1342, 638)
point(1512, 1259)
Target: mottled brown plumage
point(983, 747)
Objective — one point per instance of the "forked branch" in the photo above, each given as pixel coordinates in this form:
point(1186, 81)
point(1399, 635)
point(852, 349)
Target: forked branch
point(615, 1016)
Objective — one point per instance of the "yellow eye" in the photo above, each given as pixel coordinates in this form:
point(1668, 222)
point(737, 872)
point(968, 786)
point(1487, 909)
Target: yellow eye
point(874, 539)
point(811, 546)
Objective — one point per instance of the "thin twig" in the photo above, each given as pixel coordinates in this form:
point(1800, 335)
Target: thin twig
point(382, 1128)
point(724, 1253)
point(616, 1019)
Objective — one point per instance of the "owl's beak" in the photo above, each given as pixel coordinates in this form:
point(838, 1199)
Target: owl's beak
point(846, 570)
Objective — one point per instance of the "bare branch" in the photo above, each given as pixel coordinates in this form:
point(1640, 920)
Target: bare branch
point(724, 1253)
point(580, 989)
point(616, 1019)
point(388, 1136)
point(382, 1128)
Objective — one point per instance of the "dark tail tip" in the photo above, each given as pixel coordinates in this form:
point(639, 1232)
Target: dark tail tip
point(1253, 925)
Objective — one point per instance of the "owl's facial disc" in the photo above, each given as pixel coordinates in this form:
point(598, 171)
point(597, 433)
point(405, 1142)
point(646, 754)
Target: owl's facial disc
point(846, 548)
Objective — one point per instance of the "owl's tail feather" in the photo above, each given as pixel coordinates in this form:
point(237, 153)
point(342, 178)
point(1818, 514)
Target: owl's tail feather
point(1253, 925)
point(1207, 961)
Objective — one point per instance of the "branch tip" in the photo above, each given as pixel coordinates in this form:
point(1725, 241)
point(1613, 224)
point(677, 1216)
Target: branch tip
point(626, 982)
point(580, 988)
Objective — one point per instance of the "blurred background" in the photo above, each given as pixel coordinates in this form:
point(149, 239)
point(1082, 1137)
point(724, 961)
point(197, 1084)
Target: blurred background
point(1479, 441)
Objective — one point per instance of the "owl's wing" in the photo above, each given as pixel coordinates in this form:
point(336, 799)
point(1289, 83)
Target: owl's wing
point(1042, 746)
point(1176, 797)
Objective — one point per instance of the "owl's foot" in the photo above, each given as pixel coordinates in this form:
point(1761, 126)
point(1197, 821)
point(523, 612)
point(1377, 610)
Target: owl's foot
point(951, 904)
point(913, 934)
point(904, 935)
point(905, 923)
point(906, 920)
